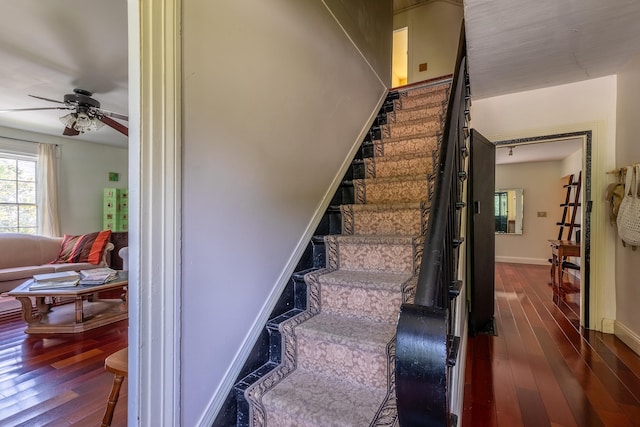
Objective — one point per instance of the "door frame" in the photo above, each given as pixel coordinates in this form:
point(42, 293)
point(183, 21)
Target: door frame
point(585, 242)
point(154, 380)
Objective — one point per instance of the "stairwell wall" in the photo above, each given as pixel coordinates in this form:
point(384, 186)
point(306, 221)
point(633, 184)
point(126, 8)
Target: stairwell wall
point(276, 97)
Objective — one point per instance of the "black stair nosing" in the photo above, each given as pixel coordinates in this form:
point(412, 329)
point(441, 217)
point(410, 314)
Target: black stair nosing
point(394, 94)
point(317, 239)
point(254, 376)
point(273, 323)
point(299, 275)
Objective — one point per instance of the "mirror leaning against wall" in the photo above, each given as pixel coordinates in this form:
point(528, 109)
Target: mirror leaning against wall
point(508, 205)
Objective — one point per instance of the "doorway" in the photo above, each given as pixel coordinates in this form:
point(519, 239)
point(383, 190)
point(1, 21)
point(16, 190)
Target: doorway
point(400, 57)
point(537, 156)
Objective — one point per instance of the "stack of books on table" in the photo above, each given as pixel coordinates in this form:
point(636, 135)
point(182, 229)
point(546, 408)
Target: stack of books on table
point(97, 276)
point(63, 279)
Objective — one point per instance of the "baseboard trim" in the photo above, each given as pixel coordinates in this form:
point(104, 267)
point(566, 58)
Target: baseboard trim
point(608, 326)
point(627, 336)
point(522, 260)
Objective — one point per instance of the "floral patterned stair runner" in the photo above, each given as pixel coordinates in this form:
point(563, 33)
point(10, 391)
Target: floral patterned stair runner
point(338, 356)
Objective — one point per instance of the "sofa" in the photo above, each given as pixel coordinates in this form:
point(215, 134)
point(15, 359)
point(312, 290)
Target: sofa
point(23, 255)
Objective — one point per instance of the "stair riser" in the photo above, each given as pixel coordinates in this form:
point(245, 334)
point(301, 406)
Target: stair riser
point(380, 168)
point(279, 418)
point(377, 305)
point(420, 101)
point(406, 222)
point(357, 363)
point(369, 191)
point(424, 146)
point(376, 257)
point(429, 112)
point(410, 128)
point(426, 90)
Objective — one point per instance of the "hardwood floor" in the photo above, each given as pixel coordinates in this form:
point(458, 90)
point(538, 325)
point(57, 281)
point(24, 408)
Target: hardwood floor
point(540, 370)
point(58, 380)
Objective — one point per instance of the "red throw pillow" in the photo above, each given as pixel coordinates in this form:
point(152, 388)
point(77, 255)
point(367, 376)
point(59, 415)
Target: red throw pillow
point(84, 248)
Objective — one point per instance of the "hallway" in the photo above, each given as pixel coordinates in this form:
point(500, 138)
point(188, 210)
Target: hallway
point(540, 370)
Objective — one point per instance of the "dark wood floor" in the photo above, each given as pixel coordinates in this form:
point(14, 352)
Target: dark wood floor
point(540, 370)
point(58, 380)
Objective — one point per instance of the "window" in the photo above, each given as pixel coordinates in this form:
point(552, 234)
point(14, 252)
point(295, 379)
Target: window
point(18, 207)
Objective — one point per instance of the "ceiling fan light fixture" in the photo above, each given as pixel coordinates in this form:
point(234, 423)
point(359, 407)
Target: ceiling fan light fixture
point(81, 122)
point(68, 120)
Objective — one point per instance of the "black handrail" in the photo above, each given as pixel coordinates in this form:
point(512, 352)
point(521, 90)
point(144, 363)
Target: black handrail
point(425, 348)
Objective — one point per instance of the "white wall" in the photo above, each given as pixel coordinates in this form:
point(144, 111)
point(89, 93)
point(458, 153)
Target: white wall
point(434, 31)
point(275, 98)
point(627, 153)
point(584, 106)
point(572, 164)
point(543, 192)
point(83, 174)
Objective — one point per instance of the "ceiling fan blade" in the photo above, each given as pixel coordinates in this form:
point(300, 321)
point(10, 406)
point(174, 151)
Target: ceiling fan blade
point(69, 131)
point(112, 114)
point(35, 109)
point(47, 99)
point(115, 125)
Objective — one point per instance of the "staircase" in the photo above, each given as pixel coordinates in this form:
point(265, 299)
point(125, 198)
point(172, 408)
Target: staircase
point(337, 356)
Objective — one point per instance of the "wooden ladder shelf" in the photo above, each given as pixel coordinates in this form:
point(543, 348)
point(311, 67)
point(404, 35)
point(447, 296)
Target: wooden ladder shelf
point(570, 208)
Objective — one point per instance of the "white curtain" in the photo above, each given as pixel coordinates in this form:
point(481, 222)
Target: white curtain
point(48, 219)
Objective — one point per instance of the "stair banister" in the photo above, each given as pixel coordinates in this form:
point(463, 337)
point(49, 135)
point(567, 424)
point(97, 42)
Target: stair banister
point(425, 347)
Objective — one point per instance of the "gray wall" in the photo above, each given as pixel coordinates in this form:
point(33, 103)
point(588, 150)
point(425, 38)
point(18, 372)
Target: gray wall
point(275, 97)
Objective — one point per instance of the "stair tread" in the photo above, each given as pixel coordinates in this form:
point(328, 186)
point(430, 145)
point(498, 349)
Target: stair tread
point(365, 279)
point(417, 137)
point(391, 179)
point(381, 207)
point(412, 122)
point(367, 239)
point(433, 106)
point(425, 156)
point(429, 88)
point(318, 400)
point(405, 138)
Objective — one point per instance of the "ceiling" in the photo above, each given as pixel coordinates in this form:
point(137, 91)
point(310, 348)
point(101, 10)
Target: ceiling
point(48, 48)
point(537, 151)
point(515, 46)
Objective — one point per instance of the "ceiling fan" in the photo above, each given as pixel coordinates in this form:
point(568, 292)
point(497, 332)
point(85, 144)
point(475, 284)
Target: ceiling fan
point(86, 113)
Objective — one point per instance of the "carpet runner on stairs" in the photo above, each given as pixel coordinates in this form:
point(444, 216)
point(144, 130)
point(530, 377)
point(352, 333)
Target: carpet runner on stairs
point(338, 356)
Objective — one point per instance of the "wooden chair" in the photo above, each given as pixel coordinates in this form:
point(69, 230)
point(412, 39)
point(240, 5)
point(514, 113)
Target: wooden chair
point(117, 364)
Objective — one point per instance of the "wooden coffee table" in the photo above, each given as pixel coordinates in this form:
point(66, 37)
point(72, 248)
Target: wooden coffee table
point(88, 312)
